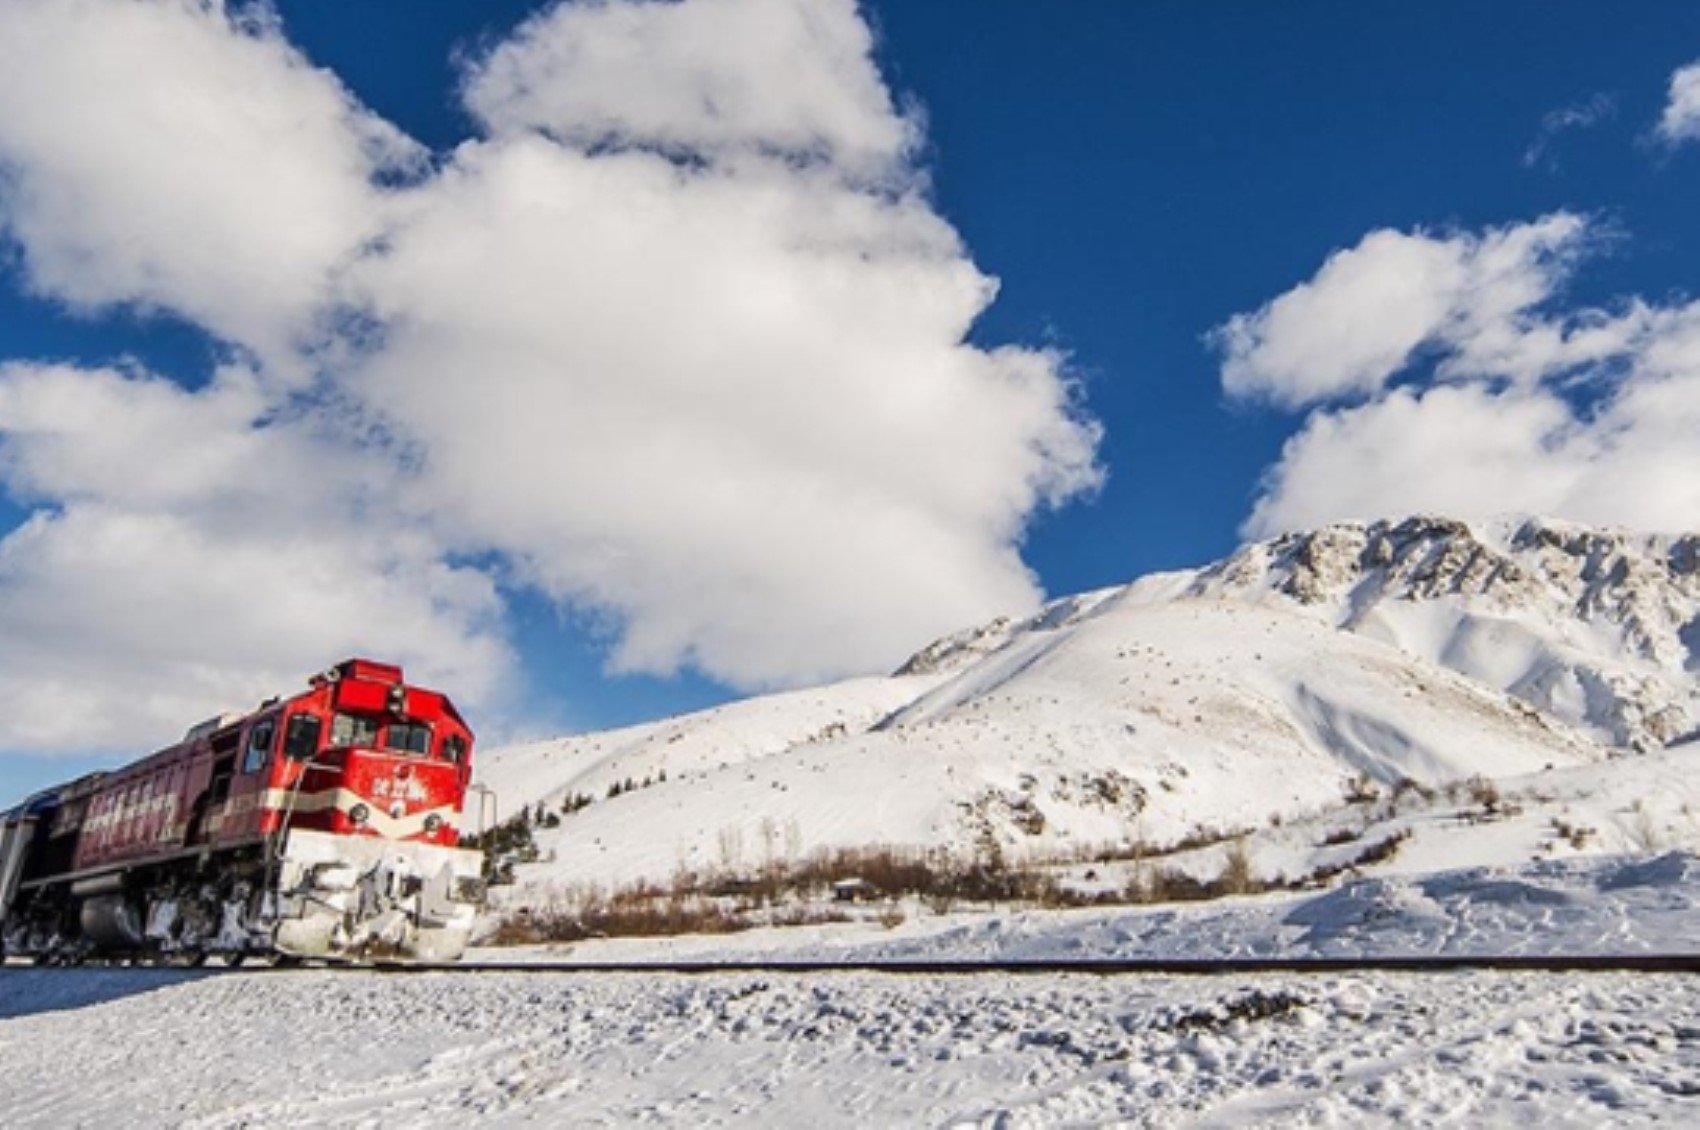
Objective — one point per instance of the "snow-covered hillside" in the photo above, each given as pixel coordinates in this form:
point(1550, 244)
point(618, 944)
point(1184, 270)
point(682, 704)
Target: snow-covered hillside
point(694, 744)
point(1295, 679)
point(1598, 628)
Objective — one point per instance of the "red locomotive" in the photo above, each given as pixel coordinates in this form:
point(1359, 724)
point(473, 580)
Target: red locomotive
point(323, 825)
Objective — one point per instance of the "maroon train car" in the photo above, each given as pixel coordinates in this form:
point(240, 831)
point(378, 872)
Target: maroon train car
point(320, 825)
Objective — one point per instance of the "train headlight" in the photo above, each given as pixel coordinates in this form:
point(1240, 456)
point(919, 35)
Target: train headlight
point(433, 824)
point(359, 814)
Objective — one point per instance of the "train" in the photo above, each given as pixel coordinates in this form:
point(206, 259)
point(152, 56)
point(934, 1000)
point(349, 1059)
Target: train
point(325, 825)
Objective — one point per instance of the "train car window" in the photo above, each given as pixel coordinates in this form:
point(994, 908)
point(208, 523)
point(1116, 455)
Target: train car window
point(224, 742)
point(454, 748)
point(259, 745)
point(408, 737)
point(354, 729)
point(301, 737)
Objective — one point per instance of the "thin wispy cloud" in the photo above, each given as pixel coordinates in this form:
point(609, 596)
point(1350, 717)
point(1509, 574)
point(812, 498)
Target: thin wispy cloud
point(1586, 114)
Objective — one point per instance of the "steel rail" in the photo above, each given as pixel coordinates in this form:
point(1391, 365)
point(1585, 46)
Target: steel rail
point(1091, 967)
point(1098, 967)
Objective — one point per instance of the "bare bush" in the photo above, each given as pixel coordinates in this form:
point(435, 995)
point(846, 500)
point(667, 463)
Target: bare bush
point(1362, 789)
point(1644, 831)
point(624, 915)
point(1379, 851)
point(779, 892)
point(1484, 794)
point(1576, 835)
point(1237, 877)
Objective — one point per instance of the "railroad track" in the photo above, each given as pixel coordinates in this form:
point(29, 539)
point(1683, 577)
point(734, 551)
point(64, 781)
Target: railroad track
point(1109, 967)
point(1130, 967)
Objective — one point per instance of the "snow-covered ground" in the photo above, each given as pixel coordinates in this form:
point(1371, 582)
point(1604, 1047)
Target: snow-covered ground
point(1618, 905)
point(140, 1049)
point(145, 1047)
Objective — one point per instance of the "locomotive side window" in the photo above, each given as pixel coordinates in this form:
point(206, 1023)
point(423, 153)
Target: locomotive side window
point(354, 729)
point(301, 737)
point(454, 748)
point(408, 737)
point(259, 745)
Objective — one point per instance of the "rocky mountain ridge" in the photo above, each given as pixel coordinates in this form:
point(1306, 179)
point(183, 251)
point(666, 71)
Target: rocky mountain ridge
point(1272, 687)
point(1600, 628)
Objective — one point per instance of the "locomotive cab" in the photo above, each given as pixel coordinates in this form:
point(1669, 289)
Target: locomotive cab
point(377, 757)
point(365, 797)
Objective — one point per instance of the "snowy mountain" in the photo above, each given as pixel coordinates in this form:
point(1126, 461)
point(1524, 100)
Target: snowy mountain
point(1279, 688)
point(1598, 628)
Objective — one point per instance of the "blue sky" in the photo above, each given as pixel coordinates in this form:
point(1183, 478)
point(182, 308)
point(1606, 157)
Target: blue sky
point(1134, 176)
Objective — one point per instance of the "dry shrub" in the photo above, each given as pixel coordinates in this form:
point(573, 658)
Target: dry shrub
point(1407, 787)
point(1362, 789)
point(806, 916)
point(889, 872)
point(1484, 794)
point(631, 913)
point(1170, 884)
point(779, 893)
point(1237, 877)
point(1377, 852)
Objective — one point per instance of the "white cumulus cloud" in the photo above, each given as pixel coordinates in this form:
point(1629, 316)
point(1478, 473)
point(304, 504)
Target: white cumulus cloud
point(1507, 404)
point(164, 154)
point(710, 76)
point(1372, 307)
point(678, 340)
point(733, 406)
point(1680, 121)
point(197, 552)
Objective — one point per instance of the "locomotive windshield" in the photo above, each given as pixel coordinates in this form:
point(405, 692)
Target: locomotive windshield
point(353, 729)
point(362, 731)
point(408, 737)
point(301, 739)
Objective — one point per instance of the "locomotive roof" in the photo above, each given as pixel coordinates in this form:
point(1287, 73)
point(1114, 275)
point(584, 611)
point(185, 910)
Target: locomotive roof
point(355, 670)
point(50, 798)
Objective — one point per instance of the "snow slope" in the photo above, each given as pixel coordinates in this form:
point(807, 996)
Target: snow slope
point(702, 743)
point(1599, 628)
point(1268, 689)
